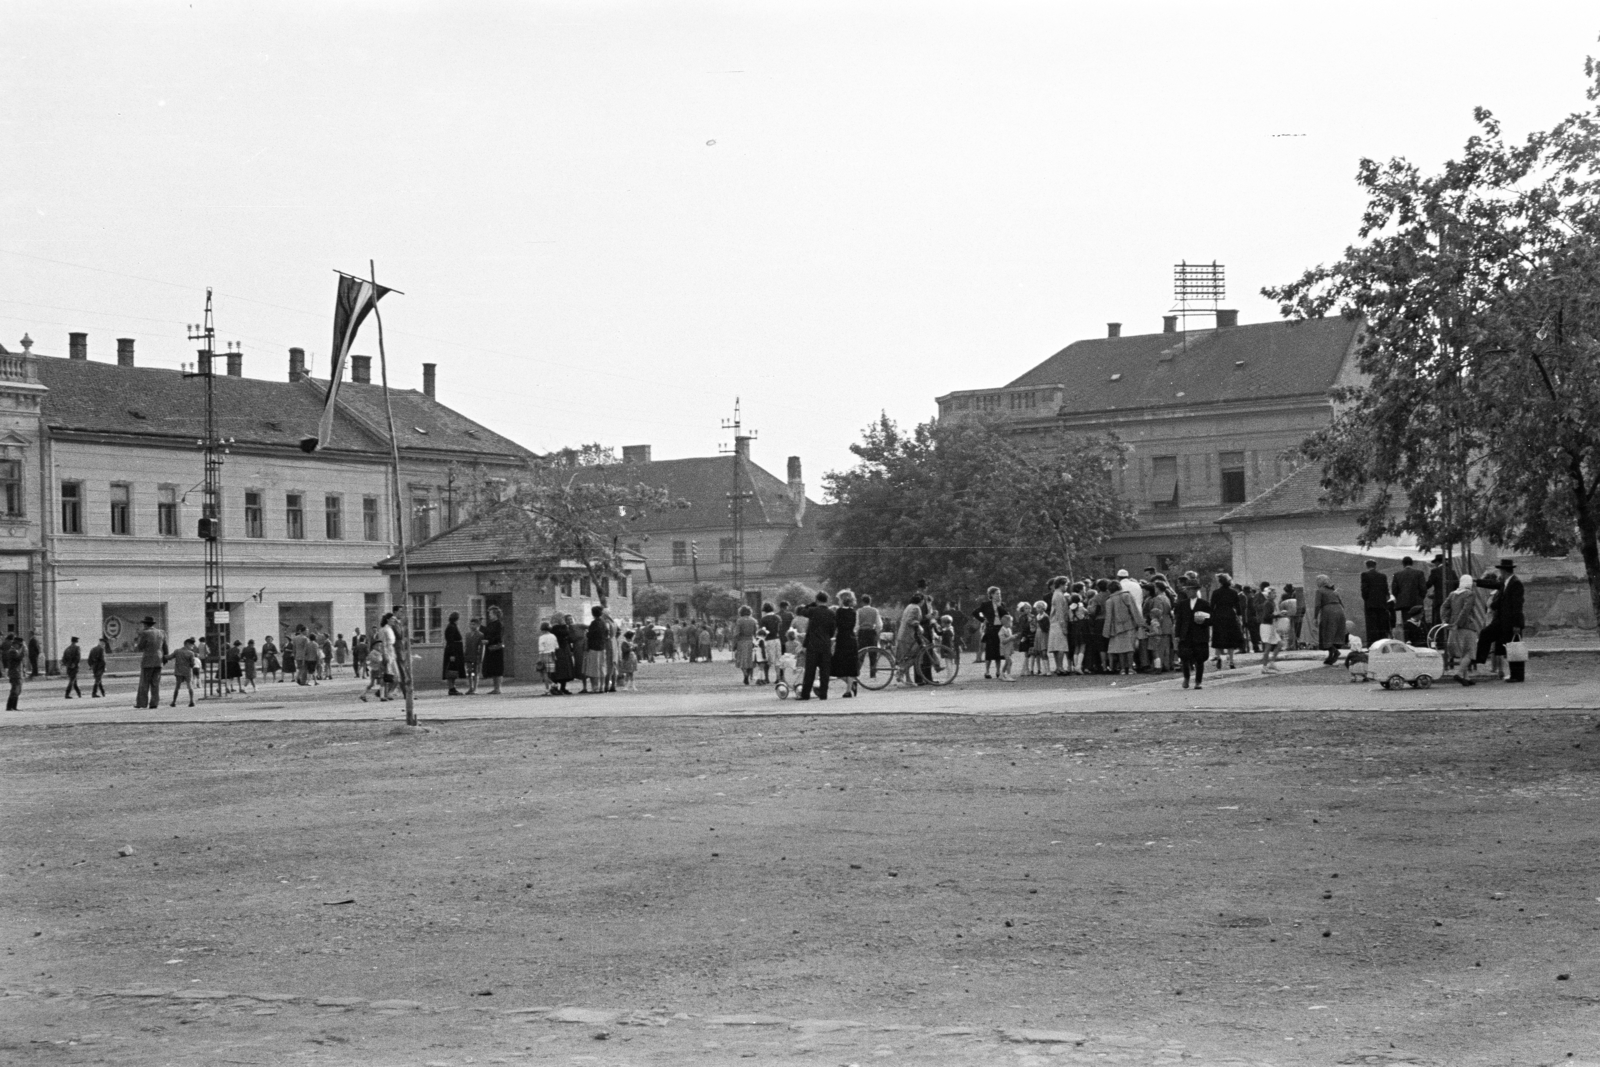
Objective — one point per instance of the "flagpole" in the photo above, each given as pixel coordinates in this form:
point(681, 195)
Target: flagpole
point(403, 624)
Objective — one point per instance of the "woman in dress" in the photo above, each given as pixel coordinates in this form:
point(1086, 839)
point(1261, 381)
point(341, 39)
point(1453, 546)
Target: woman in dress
point(1226, 633)
point(1060, 626)
point(594, 651)
point(846, 651)
point(455, 653)
point(269, 659)
point(989, 613)
point(745, 631)
point(494, 647)
point(562, 672)
point(771, 639)
point(288, 657)
point(1327, 619)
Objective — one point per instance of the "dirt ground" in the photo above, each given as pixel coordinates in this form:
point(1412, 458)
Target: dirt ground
point(1106, 888)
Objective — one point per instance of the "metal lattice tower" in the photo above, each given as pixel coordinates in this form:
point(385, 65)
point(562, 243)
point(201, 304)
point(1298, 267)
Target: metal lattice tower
point(214, 446)
point(736, 495)
point(1197, 289)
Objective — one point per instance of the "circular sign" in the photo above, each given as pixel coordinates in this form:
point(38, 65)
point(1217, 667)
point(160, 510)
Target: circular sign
point(113, 627)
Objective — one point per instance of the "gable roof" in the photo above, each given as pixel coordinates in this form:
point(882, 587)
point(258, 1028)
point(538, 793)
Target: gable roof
point(800, 554)
point(705, 482)
point(95, 397)
point(1252, 362)
point(1301, 493)
point(495, 538)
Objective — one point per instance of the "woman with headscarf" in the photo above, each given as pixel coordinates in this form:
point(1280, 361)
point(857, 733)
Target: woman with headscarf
point(1327, 619)
point(1466, 612)
point(1226, 611)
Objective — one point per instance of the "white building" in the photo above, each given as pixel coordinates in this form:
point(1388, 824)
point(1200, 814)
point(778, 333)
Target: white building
point(102, 463)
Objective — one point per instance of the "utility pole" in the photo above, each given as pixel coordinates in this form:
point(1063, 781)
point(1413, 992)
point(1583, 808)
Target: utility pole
point(210, 526)
point(736, 495)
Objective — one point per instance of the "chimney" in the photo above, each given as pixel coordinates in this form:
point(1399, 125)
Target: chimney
point(429, 377)
point(77, 346)
point(361, 369)
point(741, 448)
point(636, 453)
point(297, 364)
point(124, 351)
point(797, 490)
point(1227, 318)
point(1169, 324)
point(236, 364)
point(1113, 329)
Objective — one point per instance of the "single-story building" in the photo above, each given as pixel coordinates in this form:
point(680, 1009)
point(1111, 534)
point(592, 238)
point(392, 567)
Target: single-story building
point(483, 563)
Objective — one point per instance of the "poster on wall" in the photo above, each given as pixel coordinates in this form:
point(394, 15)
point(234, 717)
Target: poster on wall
point(120, 623)
point(315, 615)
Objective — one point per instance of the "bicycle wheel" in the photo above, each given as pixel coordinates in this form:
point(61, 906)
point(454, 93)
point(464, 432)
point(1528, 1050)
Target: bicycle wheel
point(877, 668)
point(942, 664)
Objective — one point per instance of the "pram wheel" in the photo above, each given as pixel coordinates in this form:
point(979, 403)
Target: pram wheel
point(782, 689)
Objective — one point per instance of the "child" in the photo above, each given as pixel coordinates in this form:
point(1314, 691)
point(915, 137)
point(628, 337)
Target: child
point(790, 662)
point(1269, 643)
point(1041, 638)
point(545, 665)
point(628, 664)
point(183, 662)
point(1008, 647)
point(1415, 629)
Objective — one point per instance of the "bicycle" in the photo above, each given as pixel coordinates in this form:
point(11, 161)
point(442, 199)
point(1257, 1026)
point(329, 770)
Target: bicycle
point(924, 665)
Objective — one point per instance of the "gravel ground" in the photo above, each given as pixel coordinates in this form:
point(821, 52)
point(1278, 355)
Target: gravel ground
point(1283, 889)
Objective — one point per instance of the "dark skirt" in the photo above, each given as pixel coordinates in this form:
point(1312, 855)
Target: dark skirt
point(271, 663)
point(563, 667)
point(846, 655)
point(494, 661)
point(991, 643)
point(455, 661)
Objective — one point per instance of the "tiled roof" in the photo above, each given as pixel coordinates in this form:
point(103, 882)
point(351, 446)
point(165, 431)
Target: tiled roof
point(705, 483)
point(494, 538)
point(100, 397)
point(1256, 361)
point(1301, 493)
point(800, 555)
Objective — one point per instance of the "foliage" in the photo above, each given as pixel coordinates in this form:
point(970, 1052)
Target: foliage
point(576, 505)
point(1206, 555)
point(652, 602)
point(710, 601)
point(965, 506)
point(796, 593)
point(1480, 286)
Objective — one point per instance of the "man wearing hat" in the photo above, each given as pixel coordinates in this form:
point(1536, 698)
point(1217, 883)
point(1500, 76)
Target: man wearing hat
point(1508, 620)
point(1133, 587)
point(151, 644)
point(1375, 602)
point(1442, 582)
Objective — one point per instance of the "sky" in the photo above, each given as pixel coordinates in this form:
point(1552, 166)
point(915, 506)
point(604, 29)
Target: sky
point(611, 220)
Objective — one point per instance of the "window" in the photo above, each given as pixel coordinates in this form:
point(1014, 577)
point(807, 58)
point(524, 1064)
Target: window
point(254, 526)
point(725, 550)
point(167, 511)
point(1232, 465)
point(604, 585)
point(11, 487)
point(566, 586)
point(372, 610)
point(421, 517)
point(72, 507)
point(475, 607)
point(333, 509)
point(622, 586)
point(1164, 562)
point(369, 518)
point(583, 586)
point(680, 553)
point(121, 508)
point(294, 516)
point(447, 510)
point(427, 619)
point(1164, 482)
point(1103, 564)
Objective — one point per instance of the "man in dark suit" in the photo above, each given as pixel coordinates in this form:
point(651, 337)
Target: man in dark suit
point(1441, 583)
point(1508, 615)
point(1410, 588)
point(1192, 630)
point(819, 646)
point(1375, 602)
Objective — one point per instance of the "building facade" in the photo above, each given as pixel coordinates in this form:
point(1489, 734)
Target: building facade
point(1209, 417)
point(108, 491)
point(684, 547)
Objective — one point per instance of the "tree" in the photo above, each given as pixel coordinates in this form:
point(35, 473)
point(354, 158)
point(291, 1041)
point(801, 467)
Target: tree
point(711, 601)
point(1480, 287)
point(796, 593)
point(652, 602)
point(578, 505)
point(1205, 554)
point(966, 506)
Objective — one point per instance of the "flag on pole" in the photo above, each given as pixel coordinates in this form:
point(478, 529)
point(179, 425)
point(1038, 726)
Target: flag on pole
point(357, 297)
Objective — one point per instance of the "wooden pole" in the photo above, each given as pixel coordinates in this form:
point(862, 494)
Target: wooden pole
point(402, 637)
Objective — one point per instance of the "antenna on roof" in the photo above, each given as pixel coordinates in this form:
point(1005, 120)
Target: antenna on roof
point(1194, 286)
point(737, 497)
